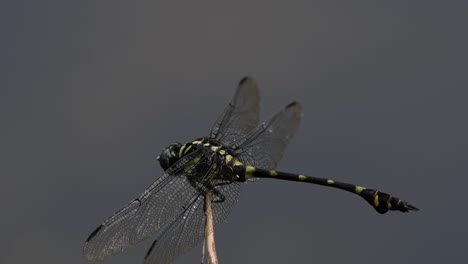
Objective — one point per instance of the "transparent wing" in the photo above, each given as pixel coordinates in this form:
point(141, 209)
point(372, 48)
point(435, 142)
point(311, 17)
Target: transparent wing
point(264, 147)
point(158, 205)
point(241, 115)
point(188, 229)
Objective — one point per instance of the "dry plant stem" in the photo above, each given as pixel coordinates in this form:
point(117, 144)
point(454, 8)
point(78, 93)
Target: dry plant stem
point(203, 250)
point(209, 231)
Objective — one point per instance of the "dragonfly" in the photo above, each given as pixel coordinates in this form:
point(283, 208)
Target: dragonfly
point(237, 150)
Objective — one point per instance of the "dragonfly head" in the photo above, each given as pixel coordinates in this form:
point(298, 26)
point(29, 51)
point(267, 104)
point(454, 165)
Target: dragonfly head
point(169, 155)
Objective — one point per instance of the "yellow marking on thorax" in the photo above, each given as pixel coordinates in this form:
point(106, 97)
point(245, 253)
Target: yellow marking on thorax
point(206, 144)
point(214, 148)
point(222, 152)
point(359, 189)
point(273, 173)
point(376, 200)
point(212, 171)
point(197, 142)
point(301, 177)
point(187, 149)
point(229, 158)
point(191, 165)
point(249, 170)
point(330, 182)
point(181, 150)
point(237, 163)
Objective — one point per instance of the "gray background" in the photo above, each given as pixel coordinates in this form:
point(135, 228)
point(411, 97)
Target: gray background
point(92, 90)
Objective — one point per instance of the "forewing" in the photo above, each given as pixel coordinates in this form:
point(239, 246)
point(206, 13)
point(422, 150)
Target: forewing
point(158, 205)
point(264, 147)
point(188, 230)
point(241, 115)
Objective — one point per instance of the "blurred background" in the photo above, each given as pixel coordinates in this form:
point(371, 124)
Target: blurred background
point(91, 91)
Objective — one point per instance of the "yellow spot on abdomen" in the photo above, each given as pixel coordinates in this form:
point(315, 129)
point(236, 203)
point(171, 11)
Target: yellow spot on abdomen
point(389, 204)
point(330, 182)
point(222, 152)
point(249, 170)
point(273, 173)
point(228, 158)
point(206, 144)
point(301, 177)
point(237, 163)
point(196, 142)
point(376, 200)
point(359, 189)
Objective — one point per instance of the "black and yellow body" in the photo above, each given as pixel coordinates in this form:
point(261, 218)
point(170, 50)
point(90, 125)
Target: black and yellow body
point(237, 149)
point(382, 202)
point(239, 172)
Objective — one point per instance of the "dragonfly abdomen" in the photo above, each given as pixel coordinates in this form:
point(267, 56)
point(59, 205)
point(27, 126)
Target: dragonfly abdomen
point(380, 201)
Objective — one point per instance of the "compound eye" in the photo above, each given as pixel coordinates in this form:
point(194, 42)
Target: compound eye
point(169, 156)
point(164, 159)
